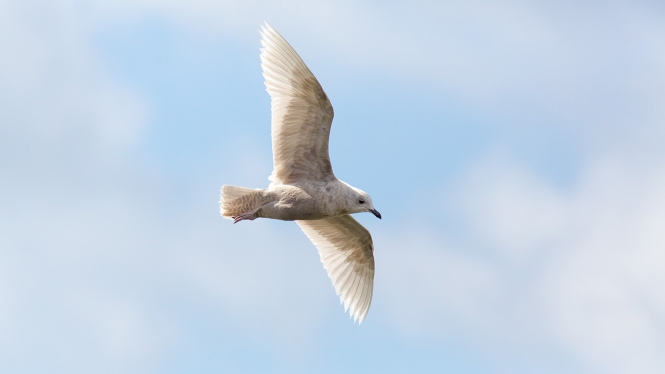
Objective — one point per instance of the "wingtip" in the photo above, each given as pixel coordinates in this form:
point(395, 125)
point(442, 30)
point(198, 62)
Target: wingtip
point(266, 28)
point(268, 37)
point(358, 316)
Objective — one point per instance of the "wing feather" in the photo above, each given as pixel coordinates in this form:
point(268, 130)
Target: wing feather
point(352, 300)
point(301, 113)
point(347, 254)
point(361, 290)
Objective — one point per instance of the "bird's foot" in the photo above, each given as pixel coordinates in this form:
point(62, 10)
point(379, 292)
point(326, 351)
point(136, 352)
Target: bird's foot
point(250, 216)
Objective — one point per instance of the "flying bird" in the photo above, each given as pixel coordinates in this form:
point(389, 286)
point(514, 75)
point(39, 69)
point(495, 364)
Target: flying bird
point(303, 187)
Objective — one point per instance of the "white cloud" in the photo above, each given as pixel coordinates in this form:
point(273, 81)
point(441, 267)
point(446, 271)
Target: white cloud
point(95, 265)
point(596, 74)
point(515, 212)
point(53, 91)
point(588, 282)
point(433, 288)
point(85, 242)
point(605, 292)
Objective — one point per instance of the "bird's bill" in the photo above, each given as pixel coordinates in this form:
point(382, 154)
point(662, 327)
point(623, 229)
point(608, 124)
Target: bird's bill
point(376, 213)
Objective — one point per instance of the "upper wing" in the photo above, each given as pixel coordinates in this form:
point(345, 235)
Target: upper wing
point(346, 251)
point(301, 113)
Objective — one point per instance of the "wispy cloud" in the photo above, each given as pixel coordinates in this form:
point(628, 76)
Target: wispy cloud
point(102, 267)
point(595, 72)
point(575, 271)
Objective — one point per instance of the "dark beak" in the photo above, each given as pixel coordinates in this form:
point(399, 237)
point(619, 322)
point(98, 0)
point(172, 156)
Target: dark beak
point(376, 213)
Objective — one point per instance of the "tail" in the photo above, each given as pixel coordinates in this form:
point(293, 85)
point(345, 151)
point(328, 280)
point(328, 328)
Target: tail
point(236, 200)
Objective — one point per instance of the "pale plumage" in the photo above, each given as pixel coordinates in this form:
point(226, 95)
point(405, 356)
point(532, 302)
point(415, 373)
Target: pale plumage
point(346, 251)
point(303, 186)
point(301, 114)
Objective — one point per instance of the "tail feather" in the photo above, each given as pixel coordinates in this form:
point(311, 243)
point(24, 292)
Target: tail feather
point(236, 200)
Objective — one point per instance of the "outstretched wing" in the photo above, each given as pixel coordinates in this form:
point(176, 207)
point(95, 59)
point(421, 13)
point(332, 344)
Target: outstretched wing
point(346, 251)
point(301, 113)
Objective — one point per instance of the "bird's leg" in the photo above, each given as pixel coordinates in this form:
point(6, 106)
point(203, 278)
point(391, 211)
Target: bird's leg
point(249, 216)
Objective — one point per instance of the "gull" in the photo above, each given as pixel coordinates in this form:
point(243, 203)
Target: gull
point(303, 187)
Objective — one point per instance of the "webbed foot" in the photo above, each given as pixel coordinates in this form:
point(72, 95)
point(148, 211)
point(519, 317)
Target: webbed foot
point(249, 216)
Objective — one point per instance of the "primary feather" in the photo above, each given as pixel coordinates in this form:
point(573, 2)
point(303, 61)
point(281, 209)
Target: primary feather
point(301, 113)
point(347, 254)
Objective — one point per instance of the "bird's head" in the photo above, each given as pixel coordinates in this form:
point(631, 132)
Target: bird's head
point(359, 201)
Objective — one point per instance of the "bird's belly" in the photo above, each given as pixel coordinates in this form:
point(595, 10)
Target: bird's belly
point(297, 203)
point(287, 211)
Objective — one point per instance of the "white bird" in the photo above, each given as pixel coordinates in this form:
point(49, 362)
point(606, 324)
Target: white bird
point(304, 188)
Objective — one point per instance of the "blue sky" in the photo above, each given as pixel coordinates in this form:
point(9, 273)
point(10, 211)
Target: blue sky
point(514, 149)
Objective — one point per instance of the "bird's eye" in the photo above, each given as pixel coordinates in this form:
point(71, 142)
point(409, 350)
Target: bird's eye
point(361, 201)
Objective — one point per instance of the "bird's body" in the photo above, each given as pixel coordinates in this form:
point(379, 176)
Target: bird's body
point(304, 188)
point(291, 202)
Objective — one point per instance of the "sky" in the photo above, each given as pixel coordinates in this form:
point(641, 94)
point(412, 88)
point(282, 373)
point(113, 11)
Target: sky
point(515, 149)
